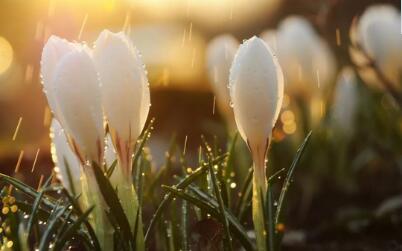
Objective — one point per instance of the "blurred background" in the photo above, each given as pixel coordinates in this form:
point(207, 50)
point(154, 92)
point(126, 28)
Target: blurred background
point(172, 36)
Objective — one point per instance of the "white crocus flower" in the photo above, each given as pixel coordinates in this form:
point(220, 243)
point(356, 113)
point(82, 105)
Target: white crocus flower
point(71, 86)
point(378, 33)
point(67, 165)
point(125, 92)
point(220, 54)
point(345, 101)
point(256, 91)
point(126, 102)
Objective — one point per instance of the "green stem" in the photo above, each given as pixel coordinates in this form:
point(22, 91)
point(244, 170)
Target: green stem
point(259, 193)
point(129, 202)
point(98, 218)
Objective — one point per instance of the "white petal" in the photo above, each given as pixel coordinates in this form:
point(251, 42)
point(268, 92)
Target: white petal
point(110, 152)
point(62, 155)
point(256, 85)
point(54, 49)
point(220, 54)
point(76, 88)
point(124, 84)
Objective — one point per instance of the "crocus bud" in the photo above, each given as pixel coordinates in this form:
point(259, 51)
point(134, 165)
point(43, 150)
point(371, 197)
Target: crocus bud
point(310, 65)
point(378, 33)
point(75, 88)
point(54, 49)
point(220, 54)
point(67, 165)
point(125, 91)
point(345, 102)
point(256, 91)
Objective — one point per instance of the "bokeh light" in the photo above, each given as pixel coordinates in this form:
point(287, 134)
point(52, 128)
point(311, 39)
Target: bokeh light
point(6, 55)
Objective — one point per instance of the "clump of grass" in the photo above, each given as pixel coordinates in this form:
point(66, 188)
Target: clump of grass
point(51, 218)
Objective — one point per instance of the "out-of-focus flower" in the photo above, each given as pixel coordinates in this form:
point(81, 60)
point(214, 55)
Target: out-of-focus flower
point(220, 54)
point(67, 165)
point(345, 101)
point(269, 36)
point(378, 34)
point(125, 91)
point(256, 91)
point(310, 64)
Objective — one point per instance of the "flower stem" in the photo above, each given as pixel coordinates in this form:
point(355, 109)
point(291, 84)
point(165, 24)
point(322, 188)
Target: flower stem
point(129, 202)
point(98, 218)
point(259, 193)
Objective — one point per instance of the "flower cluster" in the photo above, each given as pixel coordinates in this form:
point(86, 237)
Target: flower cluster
point(88, 89)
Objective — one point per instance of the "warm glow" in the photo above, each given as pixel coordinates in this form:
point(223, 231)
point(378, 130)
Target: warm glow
point(287, 117)
point(290, 128)
point(212, 13)
point(6, 55)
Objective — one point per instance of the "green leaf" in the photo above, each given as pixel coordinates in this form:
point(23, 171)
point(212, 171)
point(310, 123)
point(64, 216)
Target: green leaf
point(168, 197)
point(221, 208)
point(210, 205)
point(270, 219)
point(110, 170)
point(137, 220)
point(145, 137)
point(26, 189)
point(245, 195)
point(51, 226)
point(77, 209)
point(35, 209)
point(71, 231)
point(111, 199)
point(289, 175)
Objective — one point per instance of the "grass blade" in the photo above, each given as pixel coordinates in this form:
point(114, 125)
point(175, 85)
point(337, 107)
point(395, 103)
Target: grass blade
point(26, 189)
point(270, 219)
point(221, 208)
point(111, 199)
point(50, 229)
point(77, 209)
point(71, 230)
point(245, 194)
point(211, 206)
point(289, 175)
point(110, 170)
point(168, 197)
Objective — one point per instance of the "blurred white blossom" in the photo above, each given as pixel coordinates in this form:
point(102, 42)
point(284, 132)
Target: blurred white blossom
point(346, 101)
point(306, 59)
point(378, 33)
point(220, 54)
